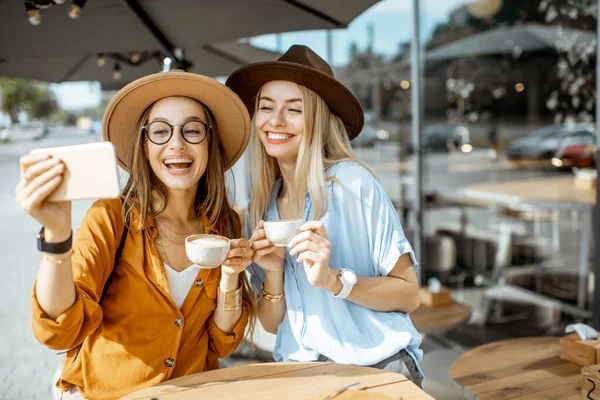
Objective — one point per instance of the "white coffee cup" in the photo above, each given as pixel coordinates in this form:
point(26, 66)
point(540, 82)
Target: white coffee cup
point(281, 232)
point(207, 251)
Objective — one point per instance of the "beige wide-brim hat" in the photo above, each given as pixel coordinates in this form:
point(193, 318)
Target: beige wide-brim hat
point(126, 108)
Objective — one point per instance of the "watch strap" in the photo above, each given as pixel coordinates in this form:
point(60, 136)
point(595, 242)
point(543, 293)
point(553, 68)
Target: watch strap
point(346, 288)
point(54, 248)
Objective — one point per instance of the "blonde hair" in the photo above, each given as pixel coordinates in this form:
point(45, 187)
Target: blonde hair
point(324, 143)
point(211, 196)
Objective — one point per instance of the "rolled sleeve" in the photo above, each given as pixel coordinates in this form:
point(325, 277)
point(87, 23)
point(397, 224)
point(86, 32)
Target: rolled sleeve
point(385, 235)
point(223, 343)
point(385, 231)
point(70, 328)
point(398, 248)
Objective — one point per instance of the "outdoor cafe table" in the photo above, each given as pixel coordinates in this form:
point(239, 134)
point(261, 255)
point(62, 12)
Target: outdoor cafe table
point(517, 369)
point(556, 193)
point(288, 381)
point(434, 319)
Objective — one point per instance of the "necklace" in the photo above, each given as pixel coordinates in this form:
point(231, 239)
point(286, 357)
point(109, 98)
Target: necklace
point(166, 258)
point(162, 248)
point(163, 235)
point(163, 253)
point(181, 234)
point(177, 242)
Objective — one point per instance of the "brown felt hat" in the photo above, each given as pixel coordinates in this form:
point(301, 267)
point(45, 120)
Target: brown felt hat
point(126, 108)
point(303, 66)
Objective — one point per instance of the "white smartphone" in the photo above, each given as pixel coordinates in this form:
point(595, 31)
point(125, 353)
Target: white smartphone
point(91, 171)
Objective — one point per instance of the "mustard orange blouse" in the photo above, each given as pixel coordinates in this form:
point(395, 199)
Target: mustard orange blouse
point(137, 337)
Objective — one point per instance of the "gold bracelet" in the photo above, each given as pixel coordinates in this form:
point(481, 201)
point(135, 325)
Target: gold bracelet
point(58, 260)
point(273, 298)
point(230, 301)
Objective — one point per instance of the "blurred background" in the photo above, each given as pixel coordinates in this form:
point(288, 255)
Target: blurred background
point(479, 121)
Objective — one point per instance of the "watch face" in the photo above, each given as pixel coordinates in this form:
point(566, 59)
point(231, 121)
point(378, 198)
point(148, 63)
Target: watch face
point(348, 276)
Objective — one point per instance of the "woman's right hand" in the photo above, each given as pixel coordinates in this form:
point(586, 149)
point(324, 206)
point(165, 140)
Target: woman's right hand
point(40, 176)
point(266, 255)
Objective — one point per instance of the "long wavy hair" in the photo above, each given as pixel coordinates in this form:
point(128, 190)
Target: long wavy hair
point(324, 143)
point(211, 195)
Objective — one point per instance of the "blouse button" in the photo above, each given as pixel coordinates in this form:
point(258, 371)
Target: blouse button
point(179, 322)
point(199, 283)
point(169, 362)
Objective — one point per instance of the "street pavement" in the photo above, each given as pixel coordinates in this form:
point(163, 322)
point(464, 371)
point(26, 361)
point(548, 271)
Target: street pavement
point(27, 367)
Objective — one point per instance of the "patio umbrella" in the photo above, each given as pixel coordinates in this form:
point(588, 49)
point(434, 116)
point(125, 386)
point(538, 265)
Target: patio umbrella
point(211, 60)
point(504, 40)
point(180, 29)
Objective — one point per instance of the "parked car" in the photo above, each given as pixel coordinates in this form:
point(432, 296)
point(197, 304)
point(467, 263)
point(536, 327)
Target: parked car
point(543, 143)
point(577, 150)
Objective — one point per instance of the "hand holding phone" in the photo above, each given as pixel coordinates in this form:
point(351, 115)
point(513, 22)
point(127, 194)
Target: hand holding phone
point(51, 177)
point(41, 174)
point(90, 171)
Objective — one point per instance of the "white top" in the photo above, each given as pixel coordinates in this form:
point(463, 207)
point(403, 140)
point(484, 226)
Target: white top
point(180, 283)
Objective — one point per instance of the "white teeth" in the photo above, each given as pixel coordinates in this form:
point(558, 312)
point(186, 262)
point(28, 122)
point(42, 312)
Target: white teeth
point(178, 161)
point(278, 136)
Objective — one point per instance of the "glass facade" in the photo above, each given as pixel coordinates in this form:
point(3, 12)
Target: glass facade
point(506, 116)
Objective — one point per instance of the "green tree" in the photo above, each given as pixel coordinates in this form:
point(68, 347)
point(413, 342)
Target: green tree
point(23, 95)
point(15, 94)
point(61, 116)
point(41, 104)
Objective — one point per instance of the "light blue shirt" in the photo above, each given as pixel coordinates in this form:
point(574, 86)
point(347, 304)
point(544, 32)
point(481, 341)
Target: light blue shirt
point(366, 237)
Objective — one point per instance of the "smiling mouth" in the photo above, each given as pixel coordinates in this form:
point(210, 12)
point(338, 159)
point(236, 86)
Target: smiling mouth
point(178, 163)
point(278, 138)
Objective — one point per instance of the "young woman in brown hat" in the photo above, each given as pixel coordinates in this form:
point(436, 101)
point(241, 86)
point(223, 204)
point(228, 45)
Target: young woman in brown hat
point(344, 287)
point(124, 300)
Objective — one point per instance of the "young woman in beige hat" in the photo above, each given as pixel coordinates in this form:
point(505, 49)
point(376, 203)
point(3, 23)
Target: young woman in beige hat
point(344, 287)
point(124, 300)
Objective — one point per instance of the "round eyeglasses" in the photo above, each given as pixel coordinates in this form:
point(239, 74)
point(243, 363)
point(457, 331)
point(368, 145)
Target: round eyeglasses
point(160, 132)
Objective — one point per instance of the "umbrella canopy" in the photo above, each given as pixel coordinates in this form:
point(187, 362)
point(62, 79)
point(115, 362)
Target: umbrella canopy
point(62, 49)
point(503, 40)
point(211, 60)
point(526, 37)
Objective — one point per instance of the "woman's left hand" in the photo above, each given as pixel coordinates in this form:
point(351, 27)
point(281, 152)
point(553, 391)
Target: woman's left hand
point(314, 248)
point(238, 258)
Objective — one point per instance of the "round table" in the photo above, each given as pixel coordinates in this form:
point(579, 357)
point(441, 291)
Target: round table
point(314, 380)
point(431, 319)
point(523, 368)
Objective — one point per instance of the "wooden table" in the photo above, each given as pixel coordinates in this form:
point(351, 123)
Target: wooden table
point(287, 381)
point(539, 190)
point(519, 369)
point(431, 319)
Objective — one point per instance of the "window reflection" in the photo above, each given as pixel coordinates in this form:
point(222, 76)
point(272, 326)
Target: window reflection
point(508, 121)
